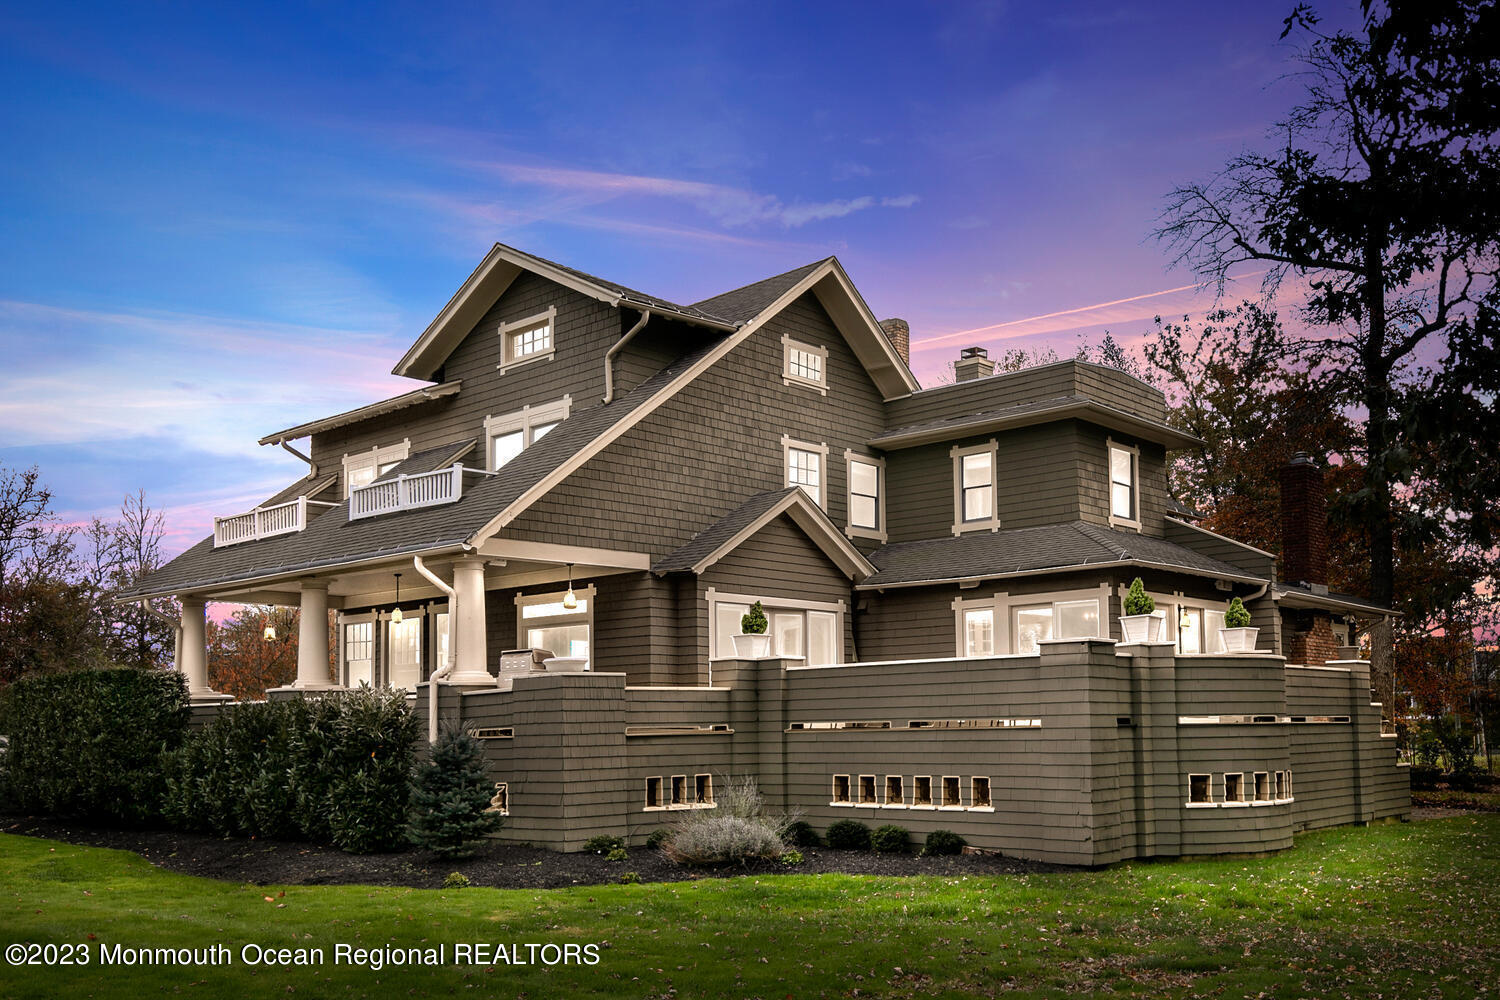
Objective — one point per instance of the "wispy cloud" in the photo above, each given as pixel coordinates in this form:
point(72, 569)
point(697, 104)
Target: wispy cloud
point(1128, 309)
point(729, 206)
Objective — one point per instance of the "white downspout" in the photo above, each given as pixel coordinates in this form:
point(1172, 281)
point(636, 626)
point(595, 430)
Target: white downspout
point(452, 658)
point(609, 356)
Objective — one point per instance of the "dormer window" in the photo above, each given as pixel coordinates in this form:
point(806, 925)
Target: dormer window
point(363, 468)
point(509, 434)
point(974, 488)
point(527, 340)
point(804, 364)
point(1124, 494)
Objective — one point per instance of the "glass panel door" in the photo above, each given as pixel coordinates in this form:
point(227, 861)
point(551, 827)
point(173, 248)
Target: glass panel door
point(404, 656)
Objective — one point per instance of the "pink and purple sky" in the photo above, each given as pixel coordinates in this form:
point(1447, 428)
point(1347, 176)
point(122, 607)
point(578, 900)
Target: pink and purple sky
point(218, 223)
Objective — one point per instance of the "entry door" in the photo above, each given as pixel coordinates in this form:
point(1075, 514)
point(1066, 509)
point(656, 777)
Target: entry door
point(404, 641)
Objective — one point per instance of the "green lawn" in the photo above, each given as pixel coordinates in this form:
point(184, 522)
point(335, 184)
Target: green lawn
point(1391, 911)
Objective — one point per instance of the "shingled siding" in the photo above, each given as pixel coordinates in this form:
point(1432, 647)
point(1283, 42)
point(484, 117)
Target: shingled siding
point(1065, 378)
point(1092, 472)
point(1343, 772)
point(585, 329)
point(1104, 777)
point(1037, 481)
point(716, 442)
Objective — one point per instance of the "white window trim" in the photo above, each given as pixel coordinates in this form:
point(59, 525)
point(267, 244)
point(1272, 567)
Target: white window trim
point(1115, 521)
point(942, 802)
point(838, 608)
point(787, 378)
point(885, 792)
point(1206, 802)
point(522, 420)
point(374, 458)
point(523, 624)
point(852, 530)
point(833, 798)
point(1003, 603)
point(508, 360)
point(343, 668)
point(989, 785)
point(789, 443)
point(931, 803)
point(960, 526)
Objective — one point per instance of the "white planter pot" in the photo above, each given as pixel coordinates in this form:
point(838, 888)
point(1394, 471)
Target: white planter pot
point(1140, 628)
point(1238, 640)
point(752, 646)
point(566, 664)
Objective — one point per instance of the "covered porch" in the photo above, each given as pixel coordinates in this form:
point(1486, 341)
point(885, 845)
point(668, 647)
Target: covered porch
point(398, 620)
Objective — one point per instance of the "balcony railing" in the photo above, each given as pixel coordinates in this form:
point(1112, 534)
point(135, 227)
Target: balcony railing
point(425, 489)
point(265, 522)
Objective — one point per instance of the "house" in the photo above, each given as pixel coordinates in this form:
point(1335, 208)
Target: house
point(568, 516)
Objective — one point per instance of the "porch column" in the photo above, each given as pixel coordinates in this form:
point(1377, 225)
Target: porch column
point(193, 659)
point(468, 595)
point(312, 638)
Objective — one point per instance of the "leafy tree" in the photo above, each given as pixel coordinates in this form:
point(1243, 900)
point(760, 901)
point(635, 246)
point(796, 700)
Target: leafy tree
point(451, 797)
point(242, 661)
point(1380, 198)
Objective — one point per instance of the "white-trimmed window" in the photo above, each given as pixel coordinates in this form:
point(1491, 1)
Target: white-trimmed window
point(679, 791)
point(867, 790)
point(403, 651)
point(1200, 788)
point(840, 794)
point(508, 434)
point(1030, 624)
point(979, 632)
point(525, 340)
point(543, 623)
point(653, 793)
point(975, 480)
point(1124, 492)
point(952, 792)
point(979, 793)
point(921, 792)
point(1262, 786)
point(703, 790)
point(812, 632)
point(806, 465)
point(1234, 786)
point(866, 478)
point(895, 791)
point(357, 653)
point(364, 467)
point(804, 364)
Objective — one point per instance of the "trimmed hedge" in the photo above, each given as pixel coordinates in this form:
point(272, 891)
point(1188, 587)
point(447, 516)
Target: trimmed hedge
point(890, 839)
point(848, 835)
point(335, 769)
point(89, 743)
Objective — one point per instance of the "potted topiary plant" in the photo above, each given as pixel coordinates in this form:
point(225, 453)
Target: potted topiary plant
point(1237, 634)
point(753, 643)
point(1139, 623)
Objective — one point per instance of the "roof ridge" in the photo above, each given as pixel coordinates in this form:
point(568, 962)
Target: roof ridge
point(760, 281)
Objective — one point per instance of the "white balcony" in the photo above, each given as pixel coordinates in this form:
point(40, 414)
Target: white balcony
point(265, 522)
point(425, 489)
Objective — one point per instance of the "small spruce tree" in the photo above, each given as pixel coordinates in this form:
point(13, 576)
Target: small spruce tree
point(755, 622)
point(451, 798)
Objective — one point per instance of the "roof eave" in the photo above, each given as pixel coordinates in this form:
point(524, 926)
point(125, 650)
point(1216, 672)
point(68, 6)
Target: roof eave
point(383, 407)
point(1089, 410)
point(1070, 568)
point(812, 520)
point(1321, 602)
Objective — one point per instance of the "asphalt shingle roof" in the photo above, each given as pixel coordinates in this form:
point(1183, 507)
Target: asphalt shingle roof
point(332, 539)
point(1021, 550)
point(431, 460)
point(747, 302)
point(709, 539)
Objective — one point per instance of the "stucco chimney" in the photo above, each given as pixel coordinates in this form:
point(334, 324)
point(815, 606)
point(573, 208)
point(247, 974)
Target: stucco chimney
point(900, 335)
point(972, 363)
point(1304, 523)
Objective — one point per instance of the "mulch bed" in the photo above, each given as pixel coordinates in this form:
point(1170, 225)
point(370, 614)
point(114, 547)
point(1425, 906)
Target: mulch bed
point(502, 866)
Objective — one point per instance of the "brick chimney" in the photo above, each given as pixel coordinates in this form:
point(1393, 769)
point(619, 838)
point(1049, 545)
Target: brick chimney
point(972, 363)
point(900, 336)
point(1304, 523)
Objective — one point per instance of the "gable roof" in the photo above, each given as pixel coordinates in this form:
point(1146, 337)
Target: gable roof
point(746, 302)
point(489, 281)
point(1052, 548)
point(739, 525)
